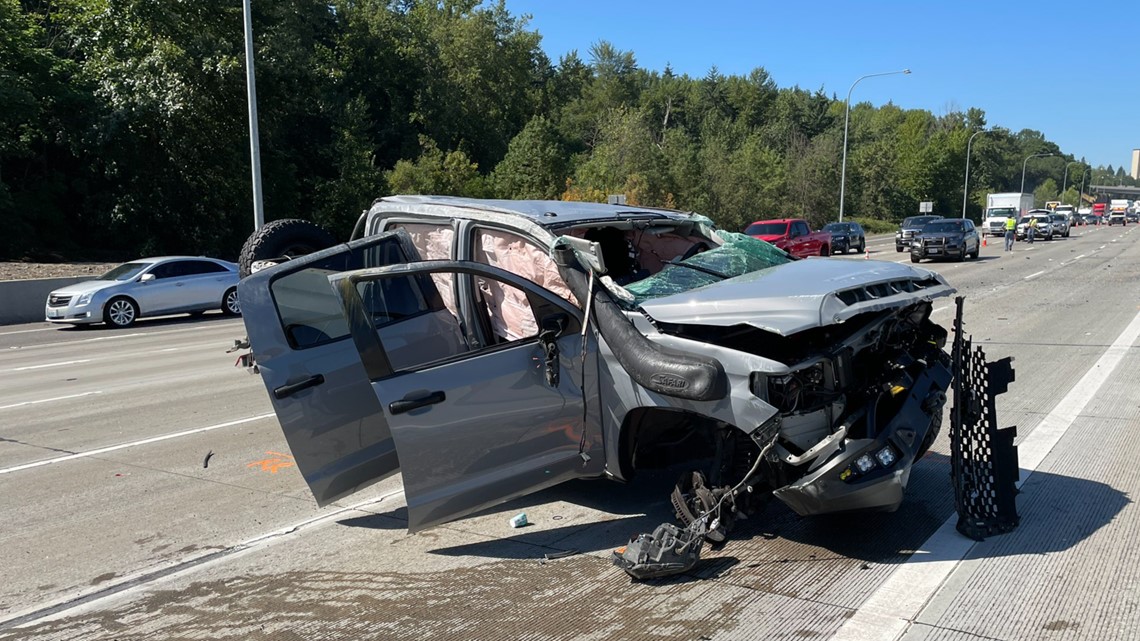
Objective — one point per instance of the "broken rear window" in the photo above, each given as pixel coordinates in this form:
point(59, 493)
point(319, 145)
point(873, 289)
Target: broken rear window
point(740, 254)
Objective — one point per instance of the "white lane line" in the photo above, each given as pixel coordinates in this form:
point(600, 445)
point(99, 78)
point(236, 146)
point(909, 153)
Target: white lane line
point(122, 446)
point(196, 328)
point(888, 612)
point(1034, 275)
point(47, 400)
point(87, 599)
point(29, 331)
point(1079, 257)
point(61, 363)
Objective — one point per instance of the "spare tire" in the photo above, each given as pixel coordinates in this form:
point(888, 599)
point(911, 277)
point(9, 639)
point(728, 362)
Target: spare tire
point(281, 240)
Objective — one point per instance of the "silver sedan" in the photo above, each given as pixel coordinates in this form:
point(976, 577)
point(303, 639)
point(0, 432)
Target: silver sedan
point(148, 287)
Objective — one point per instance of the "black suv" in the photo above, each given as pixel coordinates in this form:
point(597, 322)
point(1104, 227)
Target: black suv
point(950, 238)
point(845, 236)
point(908, 228)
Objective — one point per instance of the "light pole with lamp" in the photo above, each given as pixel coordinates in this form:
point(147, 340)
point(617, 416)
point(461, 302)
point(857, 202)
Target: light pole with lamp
point(1023, 168)
point(846, 120)
point(966, 184)
point(1065, 180)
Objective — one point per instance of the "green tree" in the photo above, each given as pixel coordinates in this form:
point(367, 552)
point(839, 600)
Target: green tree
point(535, 164)
point(1046, 192)
point(437, 172)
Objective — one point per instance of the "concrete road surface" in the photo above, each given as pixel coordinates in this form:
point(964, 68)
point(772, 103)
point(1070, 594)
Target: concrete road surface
point(119, 523)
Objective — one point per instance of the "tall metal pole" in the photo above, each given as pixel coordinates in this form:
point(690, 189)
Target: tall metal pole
point(1023, 168)
point(1064, 181)
point(846, 120)
point(251, 91)
point(1080, 196)
point(966, 184)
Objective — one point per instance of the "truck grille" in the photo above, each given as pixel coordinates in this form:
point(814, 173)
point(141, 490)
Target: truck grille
point(58, 301)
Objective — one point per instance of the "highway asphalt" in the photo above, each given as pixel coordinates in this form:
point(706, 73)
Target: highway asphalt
point(146, 491)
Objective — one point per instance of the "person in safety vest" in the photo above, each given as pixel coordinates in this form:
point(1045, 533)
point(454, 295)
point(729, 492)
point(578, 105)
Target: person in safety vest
point(1010, 232)
point(1031, 230)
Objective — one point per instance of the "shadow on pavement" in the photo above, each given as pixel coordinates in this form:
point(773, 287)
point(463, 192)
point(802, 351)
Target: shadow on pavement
point(1057, 513)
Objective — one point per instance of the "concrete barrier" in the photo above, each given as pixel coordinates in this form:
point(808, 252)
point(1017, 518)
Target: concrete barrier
point(22, 301)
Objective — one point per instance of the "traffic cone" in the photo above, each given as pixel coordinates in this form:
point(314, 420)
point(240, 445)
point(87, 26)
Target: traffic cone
point(984, 241)
point(866, 254)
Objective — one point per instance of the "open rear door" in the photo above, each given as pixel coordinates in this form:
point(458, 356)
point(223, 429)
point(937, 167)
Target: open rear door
point(485, 402)
point(334, 424)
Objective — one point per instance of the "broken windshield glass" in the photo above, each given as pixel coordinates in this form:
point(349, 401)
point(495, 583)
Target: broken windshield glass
point(740, 254)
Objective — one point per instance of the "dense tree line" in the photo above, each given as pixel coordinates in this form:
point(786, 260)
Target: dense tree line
point(123, 126)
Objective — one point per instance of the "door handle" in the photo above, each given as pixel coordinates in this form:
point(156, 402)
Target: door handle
point(409, 404)
point(288, 390)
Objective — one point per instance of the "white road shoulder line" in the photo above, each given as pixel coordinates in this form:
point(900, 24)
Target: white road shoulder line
point(1034, 275)
point(888, 612)
point(122, 446)
point(47, 400)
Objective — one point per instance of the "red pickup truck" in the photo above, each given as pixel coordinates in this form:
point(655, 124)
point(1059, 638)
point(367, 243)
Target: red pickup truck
point(793, 236)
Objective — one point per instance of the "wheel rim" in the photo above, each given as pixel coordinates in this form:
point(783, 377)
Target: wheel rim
point(232, 303)
point(122, 313)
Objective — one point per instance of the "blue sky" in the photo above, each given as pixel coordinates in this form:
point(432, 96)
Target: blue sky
point(1068, 69)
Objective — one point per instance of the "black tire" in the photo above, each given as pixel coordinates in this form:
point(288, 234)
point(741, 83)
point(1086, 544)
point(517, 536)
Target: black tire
point(281, 240)
point(862, 247)
point(898, 249)
point(915, 259)
point(824, 251)
point(231, 306)
point(120, 312)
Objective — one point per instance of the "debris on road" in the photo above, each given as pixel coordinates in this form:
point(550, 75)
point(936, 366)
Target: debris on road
point(206, 461)
point(519, 520)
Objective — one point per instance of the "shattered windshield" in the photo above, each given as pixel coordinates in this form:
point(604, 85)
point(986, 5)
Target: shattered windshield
point(740, 254)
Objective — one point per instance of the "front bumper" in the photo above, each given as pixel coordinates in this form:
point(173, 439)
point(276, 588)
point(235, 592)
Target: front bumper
point(73, 314)
point(833, 488)
point(936, 251)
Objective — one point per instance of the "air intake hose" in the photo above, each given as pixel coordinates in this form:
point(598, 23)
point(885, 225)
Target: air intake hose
point(653, 366)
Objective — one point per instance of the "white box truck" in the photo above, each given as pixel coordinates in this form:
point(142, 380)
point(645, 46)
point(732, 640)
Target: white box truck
point(1000, 206)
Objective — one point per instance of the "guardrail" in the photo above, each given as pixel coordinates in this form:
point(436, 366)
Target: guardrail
point(22, 301)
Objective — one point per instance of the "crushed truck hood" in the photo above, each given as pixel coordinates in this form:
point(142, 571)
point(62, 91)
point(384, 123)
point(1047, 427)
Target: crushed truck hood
point(791, 298)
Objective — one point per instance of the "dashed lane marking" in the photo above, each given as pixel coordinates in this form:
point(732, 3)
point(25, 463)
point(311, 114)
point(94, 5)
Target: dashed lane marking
point(123, 446)
point(47, 400)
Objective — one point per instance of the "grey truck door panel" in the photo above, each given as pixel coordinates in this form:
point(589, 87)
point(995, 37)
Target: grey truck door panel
point(495, 410)
point(334, 424)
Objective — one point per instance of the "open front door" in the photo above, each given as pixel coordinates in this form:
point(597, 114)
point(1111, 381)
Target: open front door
point(300, 339)
point(485, 402)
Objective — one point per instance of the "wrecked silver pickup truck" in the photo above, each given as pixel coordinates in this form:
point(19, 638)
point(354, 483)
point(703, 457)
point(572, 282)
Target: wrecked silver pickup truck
point(488, 349)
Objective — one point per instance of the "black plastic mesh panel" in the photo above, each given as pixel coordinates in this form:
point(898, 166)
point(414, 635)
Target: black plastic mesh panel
point(983, 458)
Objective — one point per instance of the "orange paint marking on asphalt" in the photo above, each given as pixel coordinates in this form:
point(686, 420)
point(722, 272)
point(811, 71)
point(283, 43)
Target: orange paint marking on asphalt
point(271, 465)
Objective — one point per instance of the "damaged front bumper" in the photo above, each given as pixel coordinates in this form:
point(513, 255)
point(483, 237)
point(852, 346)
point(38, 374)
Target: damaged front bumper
point(872, 473)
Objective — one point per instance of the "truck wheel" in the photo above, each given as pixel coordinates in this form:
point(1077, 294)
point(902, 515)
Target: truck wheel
point(914, 259)
point(824, 251)
point(279, 241)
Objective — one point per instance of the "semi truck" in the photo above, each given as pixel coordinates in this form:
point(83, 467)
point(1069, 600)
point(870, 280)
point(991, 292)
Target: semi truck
point(1002, 206)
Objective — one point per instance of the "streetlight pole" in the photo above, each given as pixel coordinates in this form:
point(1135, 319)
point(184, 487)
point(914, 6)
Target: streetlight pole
point(1023, 168)
point(1080, 196)
point(846, 120)
point(966, 184)
point(1065, 180)
point(254, 145)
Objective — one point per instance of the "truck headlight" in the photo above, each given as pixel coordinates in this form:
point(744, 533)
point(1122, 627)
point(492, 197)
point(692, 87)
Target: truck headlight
point(886, 456)
point(864, 464)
